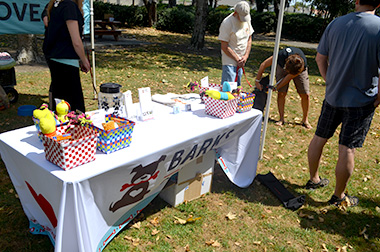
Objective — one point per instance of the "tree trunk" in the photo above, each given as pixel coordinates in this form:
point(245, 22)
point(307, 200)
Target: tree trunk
point(172, 3)
point(198, 37)
point(151, 7)
point(27, 51)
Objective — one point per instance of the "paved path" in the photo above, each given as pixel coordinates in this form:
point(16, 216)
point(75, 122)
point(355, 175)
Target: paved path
point(287, 42)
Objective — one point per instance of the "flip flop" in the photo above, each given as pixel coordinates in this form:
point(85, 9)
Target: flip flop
point(306, 125)
point(280, 123)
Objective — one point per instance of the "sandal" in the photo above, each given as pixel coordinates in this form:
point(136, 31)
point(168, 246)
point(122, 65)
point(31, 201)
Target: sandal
point(322, 183)
point(306, 125)
point(280, 123)
point(350, 200)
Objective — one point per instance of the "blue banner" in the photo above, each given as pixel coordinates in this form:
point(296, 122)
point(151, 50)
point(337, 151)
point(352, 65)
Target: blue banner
point(24, 16)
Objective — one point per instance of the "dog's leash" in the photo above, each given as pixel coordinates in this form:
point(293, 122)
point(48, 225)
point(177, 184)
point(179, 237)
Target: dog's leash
point(237, 74)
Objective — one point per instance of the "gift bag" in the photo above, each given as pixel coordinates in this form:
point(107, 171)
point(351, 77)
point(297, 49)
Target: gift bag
point(245, 102)
point(220, 108)
point(261, 96)
point(112, 140)
point(67, 154)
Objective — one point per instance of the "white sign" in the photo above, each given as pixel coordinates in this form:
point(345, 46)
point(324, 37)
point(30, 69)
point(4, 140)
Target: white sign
point(146, 104)
point(204, 82)
point(130, 109)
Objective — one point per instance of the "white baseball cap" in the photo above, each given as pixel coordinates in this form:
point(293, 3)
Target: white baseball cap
point(243, 10)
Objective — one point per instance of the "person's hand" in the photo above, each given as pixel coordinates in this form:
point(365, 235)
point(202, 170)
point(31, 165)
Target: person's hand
point(85, 66)
point(241, 61)
point(258, 85)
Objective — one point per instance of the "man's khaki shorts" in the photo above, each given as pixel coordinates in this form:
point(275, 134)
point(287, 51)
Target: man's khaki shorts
point(301, 81)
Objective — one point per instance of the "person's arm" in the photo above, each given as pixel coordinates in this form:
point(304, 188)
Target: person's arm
point(266, 63)
point(323, 63)
point(377, 101)
point(284, 81)
point(243, 60)
point(46, 21)
point(72, 25)
point(228, 51)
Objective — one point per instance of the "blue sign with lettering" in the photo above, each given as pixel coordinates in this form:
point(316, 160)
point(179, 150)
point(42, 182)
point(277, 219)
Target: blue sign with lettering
point(24, 17)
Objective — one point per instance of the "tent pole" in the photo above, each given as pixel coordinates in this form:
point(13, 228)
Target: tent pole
point(272, 74)
point(93, 47)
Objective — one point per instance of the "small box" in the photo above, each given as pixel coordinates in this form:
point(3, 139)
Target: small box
point(220, 108)
point(68, 154)
point(112, 140)
point(245, 102)
point(191, 182)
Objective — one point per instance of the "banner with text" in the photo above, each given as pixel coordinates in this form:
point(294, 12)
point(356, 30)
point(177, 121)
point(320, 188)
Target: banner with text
point(24, 17)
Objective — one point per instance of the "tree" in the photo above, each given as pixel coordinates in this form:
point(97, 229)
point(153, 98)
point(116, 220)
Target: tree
point(331, 9)
point(198, 37)
point(151, 7)
point(27, 51)
point(262, 4)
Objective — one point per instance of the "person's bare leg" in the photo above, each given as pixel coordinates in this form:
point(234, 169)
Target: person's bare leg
point(305, 102)
point(314, 156)
point(281, 107)
point(344, 169)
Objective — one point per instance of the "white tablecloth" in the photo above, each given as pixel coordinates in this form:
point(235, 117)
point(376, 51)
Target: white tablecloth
point(84, 208)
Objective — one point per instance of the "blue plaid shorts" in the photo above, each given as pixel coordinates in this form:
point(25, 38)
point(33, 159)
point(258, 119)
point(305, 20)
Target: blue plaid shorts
point(355, 123)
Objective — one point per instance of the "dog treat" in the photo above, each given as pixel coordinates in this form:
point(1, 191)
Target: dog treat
point(109, 126)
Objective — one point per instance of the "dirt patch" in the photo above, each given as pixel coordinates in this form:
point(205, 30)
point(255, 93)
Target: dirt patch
point(31, 68)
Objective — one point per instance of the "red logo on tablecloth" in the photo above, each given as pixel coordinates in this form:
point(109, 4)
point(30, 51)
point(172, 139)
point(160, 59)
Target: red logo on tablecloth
point(139, 185)
point(44, 204)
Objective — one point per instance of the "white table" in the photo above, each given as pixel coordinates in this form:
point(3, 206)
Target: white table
point(84, 208)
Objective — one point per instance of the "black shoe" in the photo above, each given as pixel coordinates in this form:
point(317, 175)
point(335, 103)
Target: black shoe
point(350, 200)
point(322, 183)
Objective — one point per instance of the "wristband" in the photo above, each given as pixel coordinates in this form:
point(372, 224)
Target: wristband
point(258, 80)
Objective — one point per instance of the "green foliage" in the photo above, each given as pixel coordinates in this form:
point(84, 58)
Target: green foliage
point(178, 19)
point(215, 18)
point(129, 16)
point(303, 27)
point(264, 22)
point(333, 9)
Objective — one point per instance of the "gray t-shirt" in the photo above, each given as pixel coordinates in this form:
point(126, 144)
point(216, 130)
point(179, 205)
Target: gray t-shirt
point(352, 44)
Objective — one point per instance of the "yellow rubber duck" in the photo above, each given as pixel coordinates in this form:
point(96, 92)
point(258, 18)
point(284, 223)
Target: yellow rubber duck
point(62, 109)
point(46, 120)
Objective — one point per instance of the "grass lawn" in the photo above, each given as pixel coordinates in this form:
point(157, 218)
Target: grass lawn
point(257, 219)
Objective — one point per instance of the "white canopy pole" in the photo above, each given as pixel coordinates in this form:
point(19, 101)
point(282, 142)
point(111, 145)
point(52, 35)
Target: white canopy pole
point(93, 46)
point(272, 73)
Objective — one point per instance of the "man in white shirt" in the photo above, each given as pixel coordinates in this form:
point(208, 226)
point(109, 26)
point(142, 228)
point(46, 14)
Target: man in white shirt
point(235, 35)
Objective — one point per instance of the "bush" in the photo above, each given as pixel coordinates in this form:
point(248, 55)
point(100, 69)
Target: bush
point(303, 27)
point(178, 19)
point(264, 22)
point(129, 16)
point(215, 18)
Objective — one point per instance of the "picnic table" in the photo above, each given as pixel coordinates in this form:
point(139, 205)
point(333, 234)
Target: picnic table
point(107, 28)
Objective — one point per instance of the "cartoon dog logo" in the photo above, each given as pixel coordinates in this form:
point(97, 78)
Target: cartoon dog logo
point(139, 184)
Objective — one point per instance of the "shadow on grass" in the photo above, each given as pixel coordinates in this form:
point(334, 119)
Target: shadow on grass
point(170, 57)
point(316, 214)
point(10, 120)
